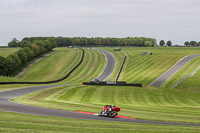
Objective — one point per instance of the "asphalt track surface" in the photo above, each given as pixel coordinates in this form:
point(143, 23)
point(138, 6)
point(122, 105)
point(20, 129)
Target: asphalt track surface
point(9, 106)
point(110, 67)
point(170, 72)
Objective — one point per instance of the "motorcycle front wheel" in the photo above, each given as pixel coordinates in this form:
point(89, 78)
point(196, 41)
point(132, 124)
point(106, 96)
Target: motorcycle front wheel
point(100, 114)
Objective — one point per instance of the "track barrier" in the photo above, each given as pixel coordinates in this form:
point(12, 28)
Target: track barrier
point(109, 83)
point(120, 70)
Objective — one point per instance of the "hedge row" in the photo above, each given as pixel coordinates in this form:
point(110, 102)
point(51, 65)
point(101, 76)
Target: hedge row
point(15, 60)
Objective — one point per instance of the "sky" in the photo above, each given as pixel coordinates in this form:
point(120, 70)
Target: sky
point(175, 20)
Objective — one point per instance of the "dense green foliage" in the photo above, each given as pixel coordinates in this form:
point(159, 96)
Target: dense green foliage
point(129, 41)
point(162, 43)
point(192, 43)
point(169, 43)
point(14, 43)
point(28, 52)
point(84, 41)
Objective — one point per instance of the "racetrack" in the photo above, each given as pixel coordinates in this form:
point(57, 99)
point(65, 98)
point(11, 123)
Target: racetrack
point(170, 72)
point(7, 105)
point(110, 67)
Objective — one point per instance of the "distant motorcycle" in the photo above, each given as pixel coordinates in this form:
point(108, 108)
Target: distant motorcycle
point(109, 111)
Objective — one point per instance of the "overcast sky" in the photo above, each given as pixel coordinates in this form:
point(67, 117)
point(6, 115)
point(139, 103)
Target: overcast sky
point(175, 20)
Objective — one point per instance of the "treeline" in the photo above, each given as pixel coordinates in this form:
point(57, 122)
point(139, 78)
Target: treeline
point(28, 51)
point(83, 41)
point(192, 43)
point(98, 41)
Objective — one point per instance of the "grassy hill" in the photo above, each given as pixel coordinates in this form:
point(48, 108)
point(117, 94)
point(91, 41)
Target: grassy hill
point(143, 103)
point(6, 51)
point(50, 68)
point(53, 67)
point(59, 64)
point(180, 104)
point(92, 66)
point(146, 68)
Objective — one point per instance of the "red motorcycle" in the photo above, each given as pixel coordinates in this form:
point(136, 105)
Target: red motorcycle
point(109, 111)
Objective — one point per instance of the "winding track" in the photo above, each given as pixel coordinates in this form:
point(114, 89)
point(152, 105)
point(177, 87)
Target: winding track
point(170, 72)
point(7, 105)
point(110, 67)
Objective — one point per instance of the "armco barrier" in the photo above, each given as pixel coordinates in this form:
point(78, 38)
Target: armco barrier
point(120, 70)
point(111, 84)
point(54, 81)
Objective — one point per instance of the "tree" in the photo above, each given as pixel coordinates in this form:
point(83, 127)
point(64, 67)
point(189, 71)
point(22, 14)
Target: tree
point(14, 43)
point(3, 66)
point(36, 49)
point(25, 43)
point(187, 43)
point(193, 43)
point(22, 55)
point(41, 45)
point(53, 42)
point(162, 43)
point(31, 47)
point(29, 53)
point(15, 61)
point(48, 45)
point(169, 43)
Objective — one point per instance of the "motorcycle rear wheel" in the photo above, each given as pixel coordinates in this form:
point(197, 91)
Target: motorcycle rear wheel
point(112, 114)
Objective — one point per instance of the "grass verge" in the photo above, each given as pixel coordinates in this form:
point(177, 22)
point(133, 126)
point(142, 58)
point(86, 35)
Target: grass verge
point(141, 103)
point(13, 122)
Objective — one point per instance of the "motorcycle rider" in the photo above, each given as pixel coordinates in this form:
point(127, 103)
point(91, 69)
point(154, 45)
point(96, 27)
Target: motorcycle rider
point(109, 111)
point(107, 108)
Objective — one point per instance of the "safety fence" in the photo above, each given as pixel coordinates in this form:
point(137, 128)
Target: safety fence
point(120, 70)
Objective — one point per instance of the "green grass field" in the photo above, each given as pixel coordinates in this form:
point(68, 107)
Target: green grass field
point(6, 51)
point(141, 103)
point(185, 71)
point(92, 66)
point(13, 122)
point(146, 68)
point(180, 104)
point(53, 67)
